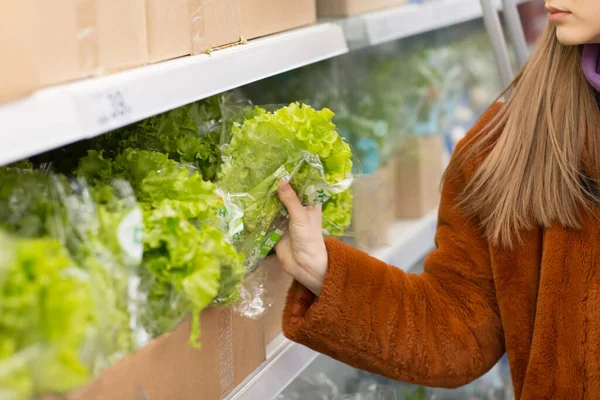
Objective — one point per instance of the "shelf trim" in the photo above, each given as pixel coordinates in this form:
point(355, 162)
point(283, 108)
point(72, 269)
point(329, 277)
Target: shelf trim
point(382, 26)
point(412, 19)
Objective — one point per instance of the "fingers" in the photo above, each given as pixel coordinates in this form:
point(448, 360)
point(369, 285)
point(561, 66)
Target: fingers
point(282, 249)
point(315, 213)
point(290, 201)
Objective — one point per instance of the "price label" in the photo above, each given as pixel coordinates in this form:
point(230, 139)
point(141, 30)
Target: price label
point(115, 107)
point(105, 110)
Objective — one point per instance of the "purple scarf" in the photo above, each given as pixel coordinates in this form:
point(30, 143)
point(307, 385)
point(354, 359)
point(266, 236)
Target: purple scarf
point(591, 64)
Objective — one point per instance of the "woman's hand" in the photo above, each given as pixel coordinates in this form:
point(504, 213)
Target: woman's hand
point(301, 251)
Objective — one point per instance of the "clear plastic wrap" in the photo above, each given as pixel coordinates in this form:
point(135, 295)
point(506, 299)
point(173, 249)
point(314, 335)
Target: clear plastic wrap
point(103, 231)
point(260, 148)
point(170, 160)
point(188, 262)
point(189, 135)
point(66, 262)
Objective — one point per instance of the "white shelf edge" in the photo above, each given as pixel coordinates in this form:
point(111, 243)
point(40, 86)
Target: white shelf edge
point(412, 19)
point(60, 115)
point(286, 360)
point(63, 114)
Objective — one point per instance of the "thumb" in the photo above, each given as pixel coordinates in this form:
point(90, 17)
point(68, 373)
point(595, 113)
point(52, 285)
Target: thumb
point(290, 200)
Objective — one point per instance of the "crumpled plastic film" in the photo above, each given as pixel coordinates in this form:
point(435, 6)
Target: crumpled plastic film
point(63, 281)
point(254, 298)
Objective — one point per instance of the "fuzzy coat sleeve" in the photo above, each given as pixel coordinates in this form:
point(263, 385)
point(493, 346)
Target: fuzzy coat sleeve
point(441, 328)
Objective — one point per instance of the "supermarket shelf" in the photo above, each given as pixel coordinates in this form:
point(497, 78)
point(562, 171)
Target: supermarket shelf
point(386, 25)
point(60, 115)
point(413, 239)
point(64, 114)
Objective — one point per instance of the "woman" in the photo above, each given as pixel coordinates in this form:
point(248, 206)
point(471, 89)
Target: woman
point(517, 264)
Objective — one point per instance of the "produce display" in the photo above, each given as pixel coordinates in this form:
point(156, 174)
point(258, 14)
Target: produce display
point(110, 242)
point(113, 241)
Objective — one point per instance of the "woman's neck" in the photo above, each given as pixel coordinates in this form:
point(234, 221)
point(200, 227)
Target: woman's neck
point(591, 64)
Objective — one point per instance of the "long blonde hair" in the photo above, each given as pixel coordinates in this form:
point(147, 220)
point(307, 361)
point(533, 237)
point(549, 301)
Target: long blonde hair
point(539, 148)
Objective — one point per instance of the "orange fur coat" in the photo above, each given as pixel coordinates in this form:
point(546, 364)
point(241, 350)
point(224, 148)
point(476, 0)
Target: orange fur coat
point(446, 327)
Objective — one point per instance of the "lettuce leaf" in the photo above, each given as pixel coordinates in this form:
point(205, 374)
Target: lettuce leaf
point(188, 135)
point(188, 262)
point(295, 142)
point(337, 214)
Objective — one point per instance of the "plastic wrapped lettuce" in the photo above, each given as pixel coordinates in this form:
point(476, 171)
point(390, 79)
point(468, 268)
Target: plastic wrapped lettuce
point(64, 272)
point(188, 134)
point(296, 143)
point(337, 214)
point(103, 233)
point(187, 262)
point(47, 318)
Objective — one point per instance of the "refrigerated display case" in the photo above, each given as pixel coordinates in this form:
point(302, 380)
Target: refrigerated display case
point(405, 83)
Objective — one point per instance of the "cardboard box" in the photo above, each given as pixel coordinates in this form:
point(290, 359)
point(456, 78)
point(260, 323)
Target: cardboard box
point(369, 223)
point(385, 201)
point(168, 29)
point(87, 37)
point(264, 17)
point(121, 34)
point(345, 8)
point(18, 71)
point(213, 23)
point(168, 369)
point(417, 175)
point(277, 285)
point(57, 23)
point(56, 43)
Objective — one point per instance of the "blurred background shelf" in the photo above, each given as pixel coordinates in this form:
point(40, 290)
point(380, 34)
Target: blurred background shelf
point(412, 240)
